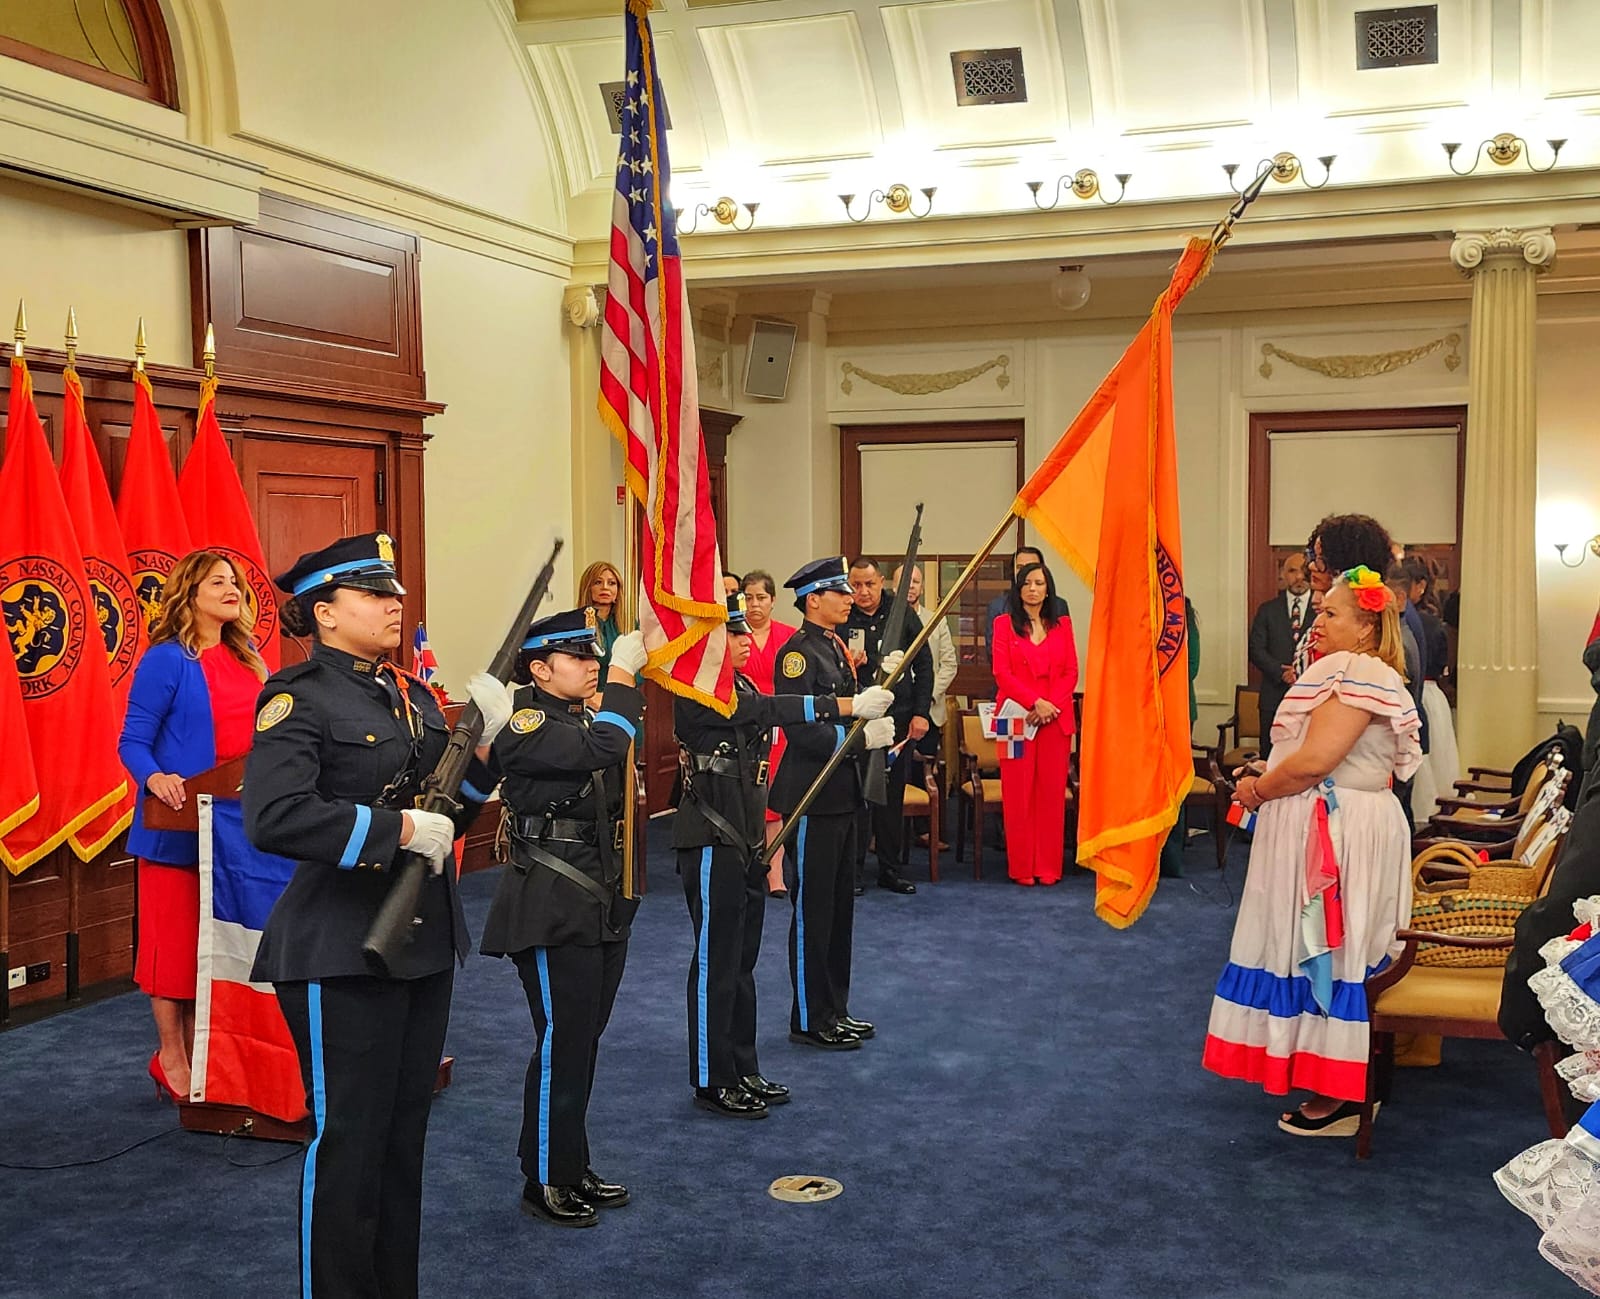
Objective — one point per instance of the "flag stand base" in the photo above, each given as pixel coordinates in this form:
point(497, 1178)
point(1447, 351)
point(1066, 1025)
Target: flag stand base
point(242, 1121)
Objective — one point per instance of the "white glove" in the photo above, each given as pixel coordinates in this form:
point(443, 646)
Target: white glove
point(433, 835)
point(871, 703)
point(493, 700)
point(879, 733)
point(628, 652)
point(892, 661)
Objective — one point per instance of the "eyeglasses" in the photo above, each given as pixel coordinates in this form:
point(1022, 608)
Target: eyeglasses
point(1313, 560)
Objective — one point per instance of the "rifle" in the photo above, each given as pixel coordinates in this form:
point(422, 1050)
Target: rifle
point(395, 924)
point(893, 629)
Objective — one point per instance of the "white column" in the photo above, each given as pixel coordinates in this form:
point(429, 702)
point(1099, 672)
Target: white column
point(1497, 658)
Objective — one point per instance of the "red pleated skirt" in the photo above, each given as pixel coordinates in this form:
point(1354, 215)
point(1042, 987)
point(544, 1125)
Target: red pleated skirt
point(169, 930)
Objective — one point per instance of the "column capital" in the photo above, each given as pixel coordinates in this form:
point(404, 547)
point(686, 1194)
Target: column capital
point(1473, 249)
point(581, 305)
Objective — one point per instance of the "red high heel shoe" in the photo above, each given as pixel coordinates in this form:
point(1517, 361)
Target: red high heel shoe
point(158, 1075)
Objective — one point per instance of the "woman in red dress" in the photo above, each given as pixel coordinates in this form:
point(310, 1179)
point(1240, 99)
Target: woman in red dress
point(1036, 664)
point(191, 707)
point(766, 642)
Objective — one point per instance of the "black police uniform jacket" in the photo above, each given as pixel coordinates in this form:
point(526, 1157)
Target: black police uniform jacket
point(563, 772)
point(724, 785)
point(913, 691)
point(814, 663)
point(320, 787)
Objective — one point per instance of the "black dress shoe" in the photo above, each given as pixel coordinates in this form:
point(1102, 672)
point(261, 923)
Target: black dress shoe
point(828, 1039)
point(603, 1195)
point(777, 893)
point(860, 890)
point(771, 1092)
point(561, 1206)
point(734, 1102)
point(895, 883)
point(859, 1027)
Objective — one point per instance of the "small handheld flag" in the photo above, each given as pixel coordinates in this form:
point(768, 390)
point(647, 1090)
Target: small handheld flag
point(423, 662)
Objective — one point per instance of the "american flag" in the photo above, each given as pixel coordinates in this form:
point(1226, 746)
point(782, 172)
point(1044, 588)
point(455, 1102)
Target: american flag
point(423, 661)
point(650, 401)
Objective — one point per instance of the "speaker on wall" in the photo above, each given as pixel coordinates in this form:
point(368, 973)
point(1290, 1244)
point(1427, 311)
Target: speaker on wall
point(766, 369)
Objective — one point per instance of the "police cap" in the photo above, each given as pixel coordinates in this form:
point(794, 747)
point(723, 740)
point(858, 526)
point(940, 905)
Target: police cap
point(365, 562)
point(737, 625)
point(830, 574)
point(571, 632)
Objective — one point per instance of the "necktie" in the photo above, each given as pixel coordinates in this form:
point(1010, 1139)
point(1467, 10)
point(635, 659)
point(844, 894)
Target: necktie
point(1294, 616)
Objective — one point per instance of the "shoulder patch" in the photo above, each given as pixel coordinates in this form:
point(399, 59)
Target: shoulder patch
point(794, 663)
point(527, 720)
point(274, 711)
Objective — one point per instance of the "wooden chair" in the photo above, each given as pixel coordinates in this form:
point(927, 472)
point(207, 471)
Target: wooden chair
point(1239, 738)
point(924, 803)
point(1211, 792)
point(978, 789)
point(1447, 983)
point(1498, 815)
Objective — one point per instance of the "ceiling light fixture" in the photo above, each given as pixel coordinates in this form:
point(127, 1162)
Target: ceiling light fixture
point(1085, 183)
point(725, 210)
point(1504, 149)
point(1284, 168)
point(1070, 289)
point(897, 198)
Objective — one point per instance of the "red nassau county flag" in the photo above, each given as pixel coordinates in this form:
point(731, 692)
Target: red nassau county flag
point(219, 519)
point(19, 786)
point(55, 642)
point(148, 508)
point(650, 400)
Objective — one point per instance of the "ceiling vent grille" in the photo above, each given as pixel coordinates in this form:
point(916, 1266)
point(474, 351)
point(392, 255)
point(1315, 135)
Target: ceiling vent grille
point(1397, 38)
point(614, 93)
point(988, 77)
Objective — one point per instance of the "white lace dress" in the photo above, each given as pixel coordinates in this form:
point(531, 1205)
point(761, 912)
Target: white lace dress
point(1557, 1183)
point(1269, 1023)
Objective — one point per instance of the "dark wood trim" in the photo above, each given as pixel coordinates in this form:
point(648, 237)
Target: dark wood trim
point(160, 84)
point(852, 437)
point(1261, 565)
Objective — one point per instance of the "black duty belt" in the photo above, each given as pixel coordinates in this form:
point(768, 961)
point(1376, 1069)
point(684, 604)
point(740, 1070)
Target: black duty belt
point(566, 870)
point(723, 765)
point(560, 829)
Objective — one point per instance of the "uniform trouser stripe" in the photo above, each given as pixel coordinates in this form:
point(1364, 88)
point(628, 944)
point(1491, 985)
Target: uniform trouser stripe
point(800, 925)
point(703, 1045)
point(319, 1112)
point(542, 960)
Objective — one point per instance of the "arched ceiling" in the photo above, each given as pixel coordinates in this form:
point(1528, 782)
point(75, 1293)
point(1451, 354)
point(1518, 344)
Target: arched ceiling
point(791, 102)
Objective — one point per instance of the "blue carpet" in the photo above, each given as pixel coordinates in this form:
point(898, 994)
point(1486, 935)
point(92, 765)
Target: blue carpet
point(1031, 1120)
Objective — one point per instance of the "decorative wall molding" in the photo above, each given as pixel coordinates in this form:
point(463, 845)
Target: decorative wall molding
point(1354, 366)
point(921, 385)
point(580, 305)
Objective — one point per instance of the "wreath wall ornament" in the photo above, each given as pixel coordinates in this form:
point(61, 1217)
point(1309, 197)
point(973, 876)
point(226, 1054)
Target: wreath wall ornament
point(1351, 366)
point(921, 385)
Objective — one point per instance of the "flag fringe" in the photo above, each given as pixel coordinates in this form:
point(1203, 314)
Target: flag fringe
point(16, 865)
point(88, 852)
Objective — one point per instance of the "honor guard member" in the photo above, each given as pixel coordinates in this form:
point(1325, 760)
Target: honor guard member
point(719, 832)
point(913, 700)
point(343, 743)
point(820, 867)
point(559, 912)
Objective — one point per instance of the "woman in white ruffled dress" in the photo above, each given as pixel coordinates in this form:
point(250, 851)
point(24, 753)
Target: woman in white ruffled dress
point(1557, 1183)
point(1329, 878)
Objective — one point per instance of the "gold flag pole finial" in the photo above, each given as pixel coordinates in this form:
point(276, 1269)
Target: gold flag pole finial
point(209, 355)
point(139, 348)
point(72, 337)
point(20, 333)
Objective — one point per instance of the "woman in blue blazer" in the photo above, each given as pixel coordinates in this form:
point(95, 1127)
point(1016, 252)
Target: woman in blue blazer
point(191, 707)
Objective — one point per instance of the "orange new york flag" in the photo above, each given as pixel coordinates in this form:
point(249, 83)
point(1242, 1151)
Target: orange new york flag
point(1107, 498)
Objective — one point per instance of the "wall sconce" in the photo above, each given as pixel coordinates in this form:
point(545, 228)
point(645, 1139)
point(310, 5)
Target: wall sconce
point(725, 210)
point(1503, 150)
point(896, 199)
point(1592, 546)
point(1084, 183)
point(1284, 168)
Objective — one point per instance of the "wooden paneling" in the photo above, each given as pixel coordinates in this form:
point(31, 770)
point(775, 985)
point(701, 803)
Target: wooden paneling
point(317, 295)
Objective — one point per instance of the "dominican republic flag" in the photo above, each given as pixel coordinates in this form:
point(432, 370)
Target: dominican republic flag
point(423, 663)
point(650, 400)
point(1007, 726)
point(243, 1054)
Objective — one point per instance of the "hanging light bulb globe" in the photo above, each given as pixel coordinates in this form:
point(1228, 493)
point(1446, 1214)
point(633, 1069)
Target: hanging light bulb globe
point(1070, 288)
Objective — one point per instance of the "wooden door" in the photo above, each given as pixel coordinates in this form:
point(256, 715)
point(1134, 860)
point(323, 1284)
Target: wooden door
point(306, 495)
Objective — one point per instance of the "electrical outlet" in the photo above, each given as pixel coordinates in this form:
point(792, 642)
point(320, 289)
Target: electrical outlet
point(39, 972)
point(17, 976)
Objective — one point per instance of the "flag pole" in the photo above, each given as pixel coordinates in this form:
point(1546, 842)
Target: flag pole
point(929, 623)
point(630, 622)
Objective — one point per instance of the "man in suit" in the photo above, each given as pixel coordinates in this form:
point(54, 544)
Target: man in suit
point(1274, 633)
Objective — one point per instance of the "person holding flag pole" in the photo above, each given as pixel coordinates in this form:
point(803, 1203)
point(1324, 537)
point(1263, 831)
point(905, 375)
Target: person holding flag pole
point(1120, 452)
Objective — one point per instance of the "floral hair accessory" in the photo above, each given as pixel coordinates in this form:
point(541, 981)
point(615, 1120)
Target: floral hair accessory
point(1371, 593)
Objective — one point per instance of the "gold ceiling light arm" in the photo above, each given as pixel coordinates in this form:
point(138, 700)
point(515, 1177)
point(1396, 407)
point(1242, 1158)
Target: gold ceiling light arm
point(897, 198)
point(1503, 150)
point(1285, 168)
point(1084, 183)
point(725, 211)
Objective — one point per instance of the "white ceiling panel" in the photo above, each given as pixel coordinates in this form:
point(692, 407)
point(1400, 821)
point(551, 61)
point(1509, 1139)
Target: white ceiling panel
point(1561, 47)
point(579, 68)
point(1195, 65)
point(1329, 79)
point(921, 40)
point(795, 90)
